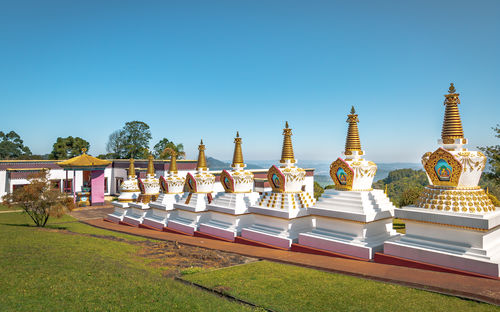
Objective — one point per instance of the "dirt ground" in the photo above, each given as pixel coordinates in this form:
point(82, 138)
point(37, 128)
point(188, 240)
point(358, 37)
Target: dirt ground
point(175, 258)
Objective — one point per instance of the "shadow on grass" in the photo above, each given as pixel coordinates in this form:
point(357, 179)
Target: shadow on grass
point(48, 226)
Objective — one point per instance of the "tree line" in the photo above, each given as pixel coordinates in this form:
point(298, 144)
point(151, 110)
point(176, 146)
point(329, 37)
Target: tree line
point(131, 141)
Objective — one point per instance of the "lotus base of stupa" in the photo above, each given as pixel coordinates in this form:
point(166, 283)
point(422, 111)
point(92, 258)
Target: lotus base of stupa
point(117, 215)
point(465, 242)
point(136, 214)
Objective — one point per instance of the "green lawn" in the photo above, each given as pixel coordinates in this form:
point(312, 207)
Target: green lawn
point(53, 270)
point(5, 208)
point(46, 270)
point(282, 287)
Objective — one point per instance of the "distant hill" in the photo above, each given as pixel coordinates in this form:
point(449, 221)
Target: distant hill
point(215, 164)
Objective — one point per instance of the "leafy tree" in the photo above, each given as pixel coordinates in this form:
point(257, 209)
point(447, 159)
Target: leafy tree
point(161, 149)
point(130, 142)
point(39, 199)
point(318, 190)
point(401, 180)
point(493, 154)
point(116, 145)
point(65, 148)
point(409, 196)
point(12, 147)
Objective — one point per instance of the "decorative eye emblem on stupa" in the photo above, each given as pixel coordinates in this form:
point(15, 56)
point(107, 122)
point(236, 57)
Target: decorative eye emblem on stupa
point(190, 183)
point(342, 176)
point(227, 181)
point(141, 185)
point(443, 170)
point(163, 185)
point(276, 179)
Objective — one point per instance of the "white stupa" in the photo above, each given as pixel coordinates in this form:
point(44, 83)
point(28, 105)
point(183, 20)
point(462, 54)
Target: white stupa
point(192, 207)
point(279, 216)
point(352, 219)
point(173, 188)
point(150, 189)
point(129, 192)
point(229, 209)
point(454, 224)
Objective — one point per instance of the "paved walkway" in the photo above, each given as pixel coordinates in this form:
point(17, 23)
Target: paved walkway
point(476, 288)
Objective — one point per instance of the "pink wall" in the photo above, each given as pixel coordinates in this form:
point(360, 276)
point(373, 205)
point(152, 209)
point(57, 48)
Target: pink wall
point(97, 184)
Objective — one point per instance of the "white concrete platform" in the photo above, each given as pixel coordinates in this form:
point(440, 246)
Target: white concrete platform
point(120, 210)
point(161, 209)
point(467, 242)
point(354, 223)
point(136, 213)
point(279, 231)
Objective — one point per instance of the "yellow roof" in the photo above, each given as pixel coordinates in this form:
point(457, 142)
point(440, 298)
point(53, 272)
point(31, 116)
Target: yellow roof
point(84, 160)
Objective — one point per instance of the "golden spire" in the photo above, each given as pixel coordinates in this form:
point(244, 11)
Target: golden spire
point(452, 125)
point(151, 166)
point(84, 150)
point(202, 162)
point(237, 155)
point(131, 168)
point(173, 159)
point(352, 142)
point(287, 150)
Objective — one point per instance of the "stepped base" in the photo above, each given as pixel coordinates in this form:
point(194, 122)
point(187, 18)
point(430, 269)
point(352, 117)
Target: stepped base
point(233, 203)
point(117, 215)
point(361, 206)
point(393, 260)
point(194, 202)
point(135, 214)
point(246, 241)
point(157, 218)
point(205, 235)
point(224, 225)
point(451, 243)
point(277, 232)
point(187, 222)
point(321, 252)
point(356, 239)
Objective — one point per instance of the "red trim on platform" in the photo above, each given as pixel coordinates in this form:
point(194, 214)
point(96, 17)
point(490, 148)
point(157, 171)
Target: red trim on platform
point(167, 229)
point(321, 252)
point(144, 226)
point(209, 236)
point(246, 241)
point(125, 223)
point(111, 221)
point(393, 260)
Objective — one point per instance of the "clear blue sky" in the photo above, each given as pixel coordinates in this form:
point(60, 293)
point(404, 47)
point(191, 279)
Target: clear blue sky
point(204, 69)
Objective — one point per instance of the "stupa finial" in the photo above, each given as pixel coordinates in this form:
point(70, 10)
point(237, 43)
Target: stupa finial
point(287, 150)
point(352, 141)
point(173, 159)
point(452, 124)
point(151, 166)
point(202, 161)
point(84, 150)
point(238, 154)
point(131, 168)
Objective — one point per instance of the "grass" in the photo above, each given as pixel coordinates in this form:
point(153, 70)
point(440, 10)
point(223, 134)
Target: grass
point(50, 270)
point(7, 208)
point(399, 226)
point(282, 287)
